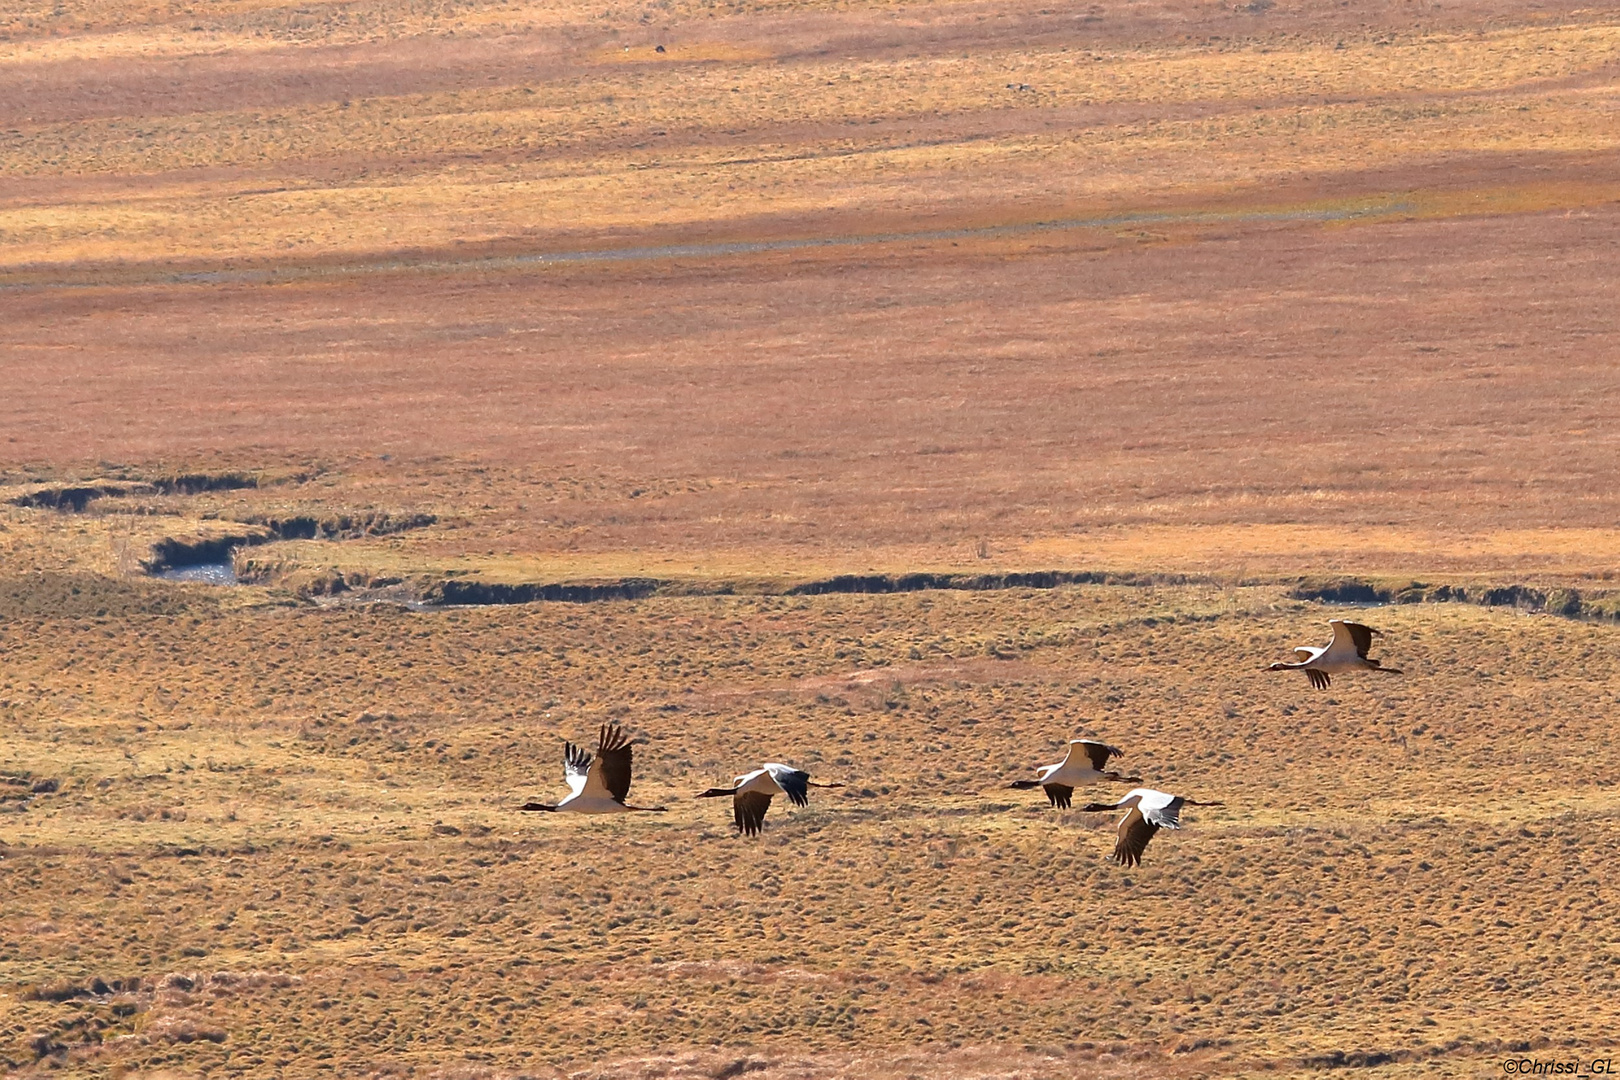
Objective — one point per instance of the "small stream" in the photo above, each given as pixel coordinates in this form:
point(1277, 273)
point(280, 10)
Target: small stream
point(221, 573)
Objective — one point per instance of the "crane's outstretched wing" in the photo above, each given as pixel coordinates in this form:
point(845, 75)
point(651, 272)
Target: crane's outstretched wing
point(613, 753)
point(1321, 680)
point(1059, 795)
point(1363, 636)
point(795, 783)
point(1134, 833)
point(748, 807)
point(1099, 753)
point(1349, 636)
point(1161, 809)
point(576, 767)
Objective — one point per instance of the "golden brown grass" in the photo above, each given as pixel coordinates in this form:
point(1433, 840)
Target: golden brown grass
point(1414, 397)
point(757, 115)
point(1412, 867)
point(1350, 311)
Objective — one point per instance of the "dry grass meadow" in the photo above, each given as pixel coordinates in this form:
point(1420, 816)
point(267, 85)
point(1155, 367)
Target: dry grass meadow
point(688, 310)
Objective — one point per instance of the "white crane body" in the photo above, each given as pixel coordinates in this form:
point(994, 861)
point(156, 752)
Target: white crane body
point(1346, 652)
point(1084, 764)
point(598, 785)
point(752, 792)
point(1146, 812)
